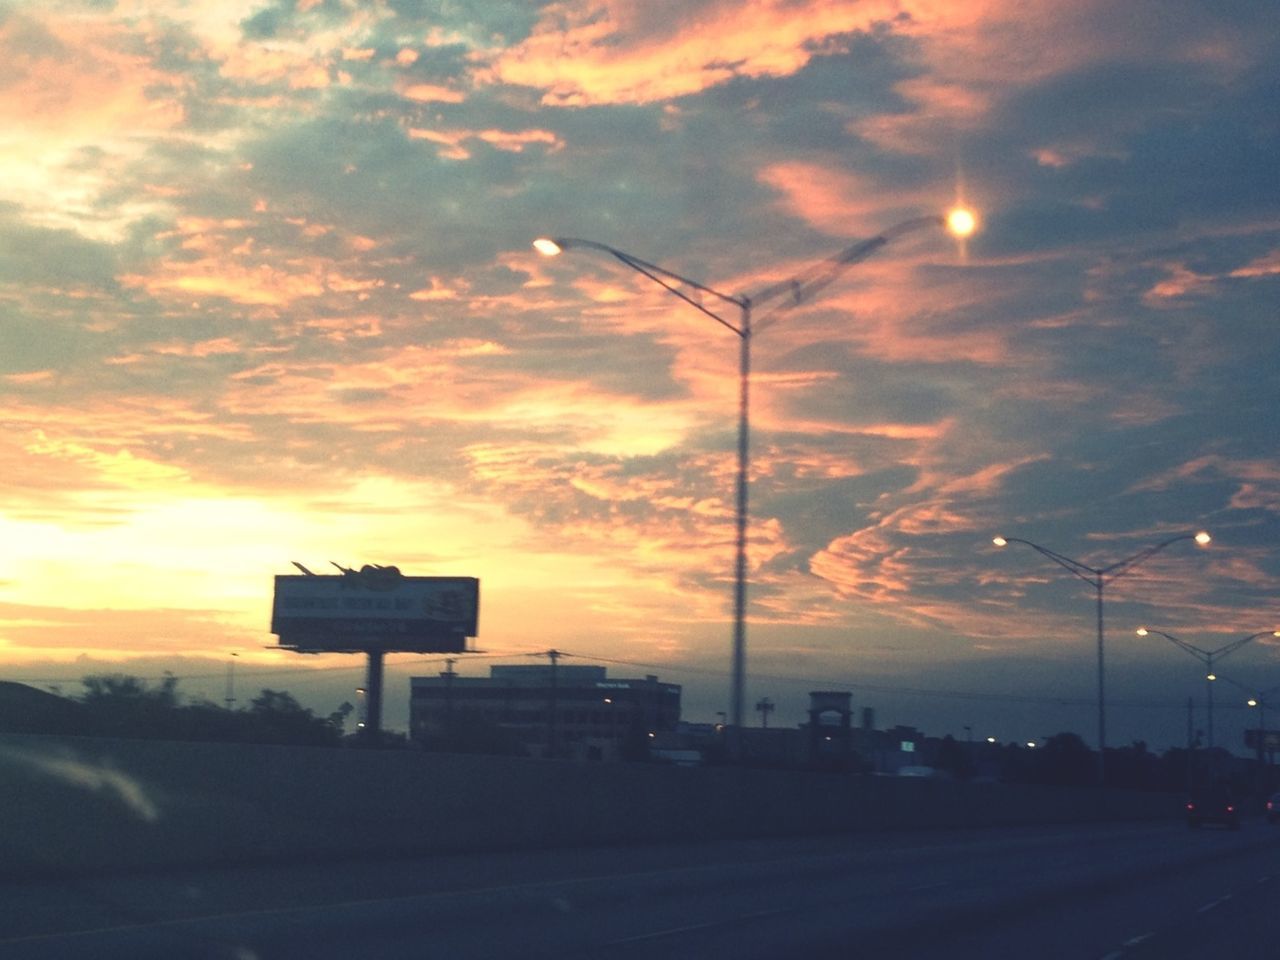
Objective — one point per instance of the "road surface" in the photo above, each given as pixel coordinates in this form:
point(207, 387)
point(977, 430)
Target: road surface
point(1103, 892)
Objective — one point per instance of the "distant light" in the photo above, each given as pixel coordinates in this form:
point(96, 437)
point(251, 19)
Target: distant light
point(546, 246)
point(1031, 743)
point(1211, 676)
point(961, 222)
point(991, 739)
point(1141, 631)
point(1252, 702)
point(1203, 537)
point(1000, 541)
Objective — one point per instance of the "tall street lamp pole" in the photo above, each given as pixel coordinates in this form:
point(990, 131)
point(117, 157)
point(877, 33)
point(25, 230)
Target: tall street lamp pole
point(1260, 701)
point(797, 289)
point(1098, 578)
point(1207, 657)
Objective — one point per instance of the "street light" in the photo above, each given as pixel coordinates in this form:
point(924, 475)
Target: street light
point(959, 222)
point(1207, 657)
point(1098, 578)
point(1258, 699)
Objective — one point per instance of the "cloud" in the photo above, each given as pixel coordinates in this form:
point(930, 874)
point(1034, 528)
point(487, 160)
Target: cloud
point(611, 52)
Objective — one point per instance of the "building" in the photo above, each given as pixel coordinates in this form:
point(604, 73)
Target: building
point(574, 712)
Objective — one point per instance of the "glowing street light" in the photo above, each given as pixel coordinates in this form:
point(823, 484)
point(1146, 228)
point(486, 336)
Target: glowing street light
point(1207, 657)
point(1258, 699)
point(1098, 578)
point(959, 222)
point(962, 222)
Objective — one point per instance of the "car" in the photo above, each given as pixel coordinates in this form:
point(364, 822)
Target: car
point(1213, 805)
point(1273, 808)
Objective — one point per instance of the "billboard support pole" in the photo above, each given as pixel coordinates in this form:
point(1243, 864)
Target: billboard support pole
point(373, 697)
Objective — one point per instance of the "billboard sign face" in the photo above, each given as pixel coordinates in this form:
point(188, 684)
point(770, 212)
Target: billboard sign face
point(375, 608)
point(1270, 739)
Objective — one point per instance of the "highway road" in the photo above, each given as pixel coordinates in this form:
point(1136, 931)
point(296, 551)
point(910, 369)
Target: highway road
point(1102, 892)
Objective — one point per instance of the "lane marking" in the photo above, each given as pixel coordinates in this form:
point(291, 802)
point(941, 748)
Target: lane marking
point(1215, 903)
point(694, 927)
point(1134, 941)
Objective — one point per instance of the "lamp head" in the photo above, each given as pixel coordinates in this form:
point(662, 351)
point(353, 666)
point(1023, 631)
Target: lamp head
point(548, 247)
point(1203, 538)
point(1252, 701)
point(1000, 541)
point(961, 222)
point(1142, 631)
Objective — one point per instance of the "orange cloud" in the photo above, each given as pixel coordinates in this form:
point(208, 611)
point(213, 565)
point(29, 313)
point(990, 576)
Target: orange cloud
point(1267, 265)
point(621, 52)
point(76, 84)
point(454, 141)
point(232, 265)
point(430, 93)
point(835, 201)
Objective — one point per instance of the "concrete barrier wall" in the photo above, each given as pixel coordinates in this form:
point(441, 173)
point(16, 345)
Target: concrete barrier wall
point(81, 804)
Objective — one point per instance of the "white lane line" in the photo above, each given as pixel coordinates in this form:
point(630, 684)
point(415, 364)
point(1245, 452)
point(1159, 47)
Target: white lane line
point(1134, 941)
point(694, 927)
point(1215, 903)
point(1114, 955)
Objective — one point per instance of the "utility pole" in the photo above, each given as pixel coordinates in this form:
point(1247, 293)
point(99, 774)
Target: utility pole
point(1191, 744)
point(448, 676)
point(373, 697)
point(230, 698)
point(553, 656)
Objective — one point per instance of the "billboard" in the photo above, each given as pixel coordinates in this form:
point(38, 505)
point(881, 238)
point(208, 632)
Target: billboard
point(1270, 739)
point(375, 608)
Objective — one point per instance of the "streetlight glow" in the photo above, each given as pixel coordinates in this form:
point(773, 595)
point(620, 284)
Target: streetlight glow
point(1203, 538)
point(1098, 578)
point(1207, 657)
point(735, 313)
point(961, 222)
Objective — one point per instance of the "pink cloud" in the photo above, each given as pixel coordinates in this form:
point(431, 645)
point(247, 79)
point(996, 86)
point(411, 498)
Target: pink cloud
point(613, 51)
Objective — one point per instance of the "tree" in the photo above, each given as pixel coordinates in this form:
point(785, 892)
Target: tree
point(1064, 760)
point(126, 706)
point(276, 717)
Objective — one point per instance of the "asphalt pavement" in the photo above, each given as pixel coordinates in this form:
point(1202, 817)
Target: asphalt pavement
point(1100, 892)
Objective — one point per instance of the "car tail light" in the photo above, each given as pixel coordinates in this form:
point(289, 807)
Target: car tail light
point(1231, 808)
point(1191, 806)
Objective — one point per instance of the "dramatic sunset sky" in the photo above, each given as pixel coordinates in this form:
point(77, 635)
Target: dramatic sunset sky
point(267, 294)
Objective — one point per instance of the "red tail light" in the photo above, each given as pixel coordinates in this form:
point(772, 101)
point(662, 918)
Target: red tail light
point(1191, 806)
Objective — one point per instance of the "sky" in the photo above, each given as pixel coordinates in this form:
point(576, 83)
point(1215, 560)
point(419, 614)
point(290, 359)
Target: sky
point(267, 295)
